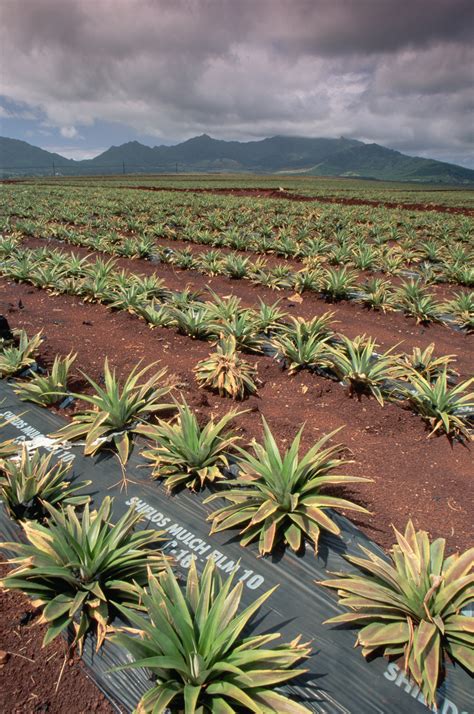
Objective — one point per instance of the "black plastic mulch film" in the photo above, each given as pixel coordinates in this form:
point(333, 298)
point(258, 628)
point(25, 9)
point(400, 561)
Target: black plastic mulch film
point(339, 680)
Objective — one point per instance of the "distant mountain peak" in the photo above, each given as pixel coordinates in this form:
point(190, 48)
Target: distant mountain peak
point(199, 139)
point(276, 154)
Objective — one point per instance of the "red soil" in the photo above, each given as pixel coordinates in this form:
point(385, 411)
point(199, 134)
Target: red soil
point(35, 680)
point(351, 319)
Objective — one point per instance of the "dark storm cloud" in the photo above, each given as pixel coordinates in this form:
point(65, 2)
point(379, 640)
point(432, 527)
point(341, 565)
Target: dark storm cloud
point(394, 71)
point(372, 26)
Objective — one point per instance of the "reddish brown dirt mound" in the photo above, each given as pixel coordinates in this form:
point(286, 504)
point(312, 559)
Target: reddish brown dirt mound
point(35, 680)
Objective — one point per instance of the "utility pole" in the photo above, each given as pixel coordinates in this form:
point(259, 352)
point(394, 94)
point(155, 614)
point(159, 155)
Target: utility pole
point(176, 167)
point(54, 169)
point(123, 167)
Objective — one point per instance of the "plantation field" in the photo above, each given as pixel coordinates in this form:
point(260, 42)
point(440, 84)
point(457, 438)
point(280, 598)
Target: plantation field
point(350, 313)
point(422, 195)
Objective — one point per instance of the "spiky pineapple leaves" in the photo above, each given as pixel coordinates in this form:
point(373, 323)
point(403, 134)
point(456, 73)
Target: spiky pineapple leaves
point(412, 607)
point(354, 362)
point(278, 497)
point(304, 343)
point(79, 571)
point(225, 372)
point(184, 453)
point(32, 480)
point(117, 410)
point(49, 389)
point(20, 355)
point(192, 642)
point(445, 408)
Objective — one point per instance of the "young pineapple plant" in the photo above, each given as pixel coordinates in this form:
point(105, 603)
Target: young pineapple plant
point(286, 246)
point(304, 344)
point(116, 411)
point(431, 250)
point(356, 362)
point(80, 571)
point(340, 254)
point(76, 266)
point(277, 278)
point(445, 408)
point(30, 481)
point(9, 244)
point(101, 268)
point(20, 265)
point(314, 249)
point(429, 273)
point(97, 288)
point(377, 295)
point(278, 497)
point(460, 272)
point(269, 318)
point(98, 282)
point(225, 372)
point(416, 302)
point(257, 268)
point(136, 247)
point(223, 308)
point(236, 266)
point(366, 257)
point(155, 313)
point(425, 363)
point(211, 263)
point(186, 454)
point(130, 298)
point(184, 298)
point(49, 389)
point(243, 327)
point(153, 286)
point(48, 276)
point(412, 606)
point(183, 259)
point(193, 320)
point(306, 279)
point(193, 643)
point(392, 261)
point(461, 309)
point(17, 357)
point(337, 284)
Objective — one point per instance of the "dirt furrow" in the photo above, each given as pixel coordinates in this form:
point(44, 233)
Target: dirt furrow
point(351, 319)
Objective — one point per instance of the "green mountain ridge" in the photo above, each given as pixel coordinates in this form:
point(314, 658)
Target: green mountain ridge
point(21, 155)
point(277, 154)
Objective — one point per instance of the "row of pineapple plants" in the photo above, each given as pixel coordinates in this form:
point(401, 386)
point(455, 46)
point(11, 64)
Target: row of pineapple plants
point(433, 261)
point(412, 297)
point(82, 570)
point(285, 229)
point(421, 379)
point(427, 388)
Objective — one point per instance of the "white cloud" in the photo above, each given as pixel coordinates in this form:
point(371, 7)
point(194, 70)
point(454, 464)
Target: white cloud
point(69, 132)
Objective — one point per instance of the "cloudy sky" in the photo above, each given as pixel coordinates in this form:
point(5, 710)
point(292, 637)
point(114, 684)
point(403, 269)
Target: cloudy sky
point(79, 75)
